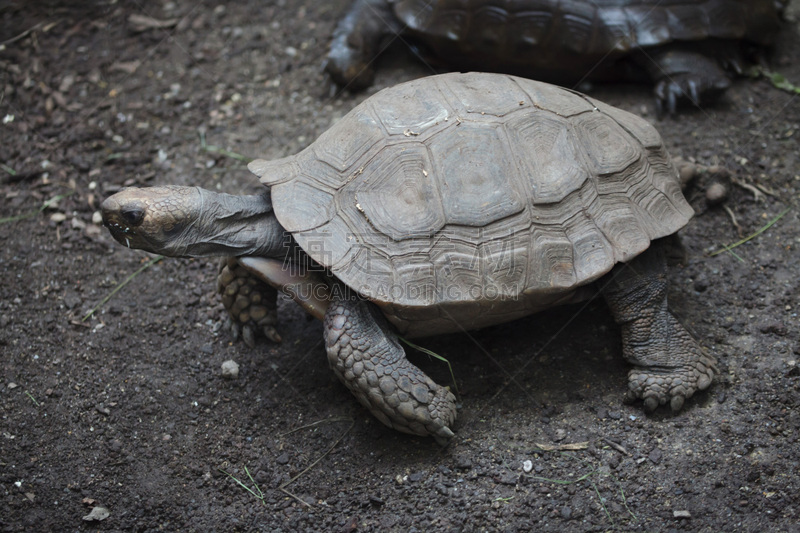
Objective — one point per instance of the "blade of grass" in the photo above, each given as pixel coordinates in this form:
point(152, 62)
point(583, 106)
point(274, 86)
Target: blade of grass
point(221, 151)
point(754, 235)
point(8, 169)
point(777, 79)
point(437, 356)
point(32, 398)
point(45, 205)
point(603, 505)
point(150, 263)
point(259, 496)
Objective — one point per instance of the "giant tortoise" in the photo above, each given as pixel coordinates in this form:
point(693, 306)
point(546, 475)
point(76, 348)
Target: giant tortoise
point(683, 46)
point(445, 204)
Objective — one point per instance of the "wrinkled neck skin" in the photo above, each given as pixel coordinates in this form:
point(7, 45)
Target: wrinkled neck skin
point(233, 225)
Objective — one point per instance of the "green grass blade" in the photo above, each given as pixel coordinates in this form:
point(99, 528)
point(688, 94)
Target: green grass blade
point(437, 356)
point(31, 214)
point(754, 235)
point(120, 285)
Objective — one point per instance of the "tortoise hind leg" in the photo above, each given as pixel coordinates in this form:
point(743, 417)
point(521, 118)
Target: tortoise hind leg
point(357, 40)
point(367, 357)
point(670, 365)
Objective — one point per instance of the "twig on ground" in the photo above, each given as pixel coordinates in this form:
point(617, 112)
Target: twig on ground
point(21, 35)
point(616, 446)
point(733, 220)
point(317, 423)
point(758, 191)
point(283, 486)
point(573, 446)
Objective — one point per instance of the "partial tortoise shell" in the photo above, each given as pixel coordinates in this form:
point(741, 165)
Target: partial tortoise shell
point(597, 27)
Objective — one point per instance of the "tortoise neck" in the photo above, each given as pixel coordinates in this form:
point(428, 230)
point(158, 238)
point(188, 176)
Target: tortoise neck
point(233, 225)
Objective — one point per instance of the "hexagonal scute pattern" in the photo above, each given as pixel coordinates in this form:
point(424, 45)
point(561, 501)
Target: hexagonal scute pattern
point(476, 174)
point(348, 139)
point(413, 111)
point(551, 163)
point(609, 147)
point(313, 206)
point(484, 96)
point(400, 197)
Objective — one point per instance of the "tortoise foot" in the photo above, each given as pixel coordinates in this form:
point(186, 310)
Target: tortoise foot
point(682, 75)
point(251, 303)
point(357, 42)
point(367, 357)
point(669, 364)
point(659, 386)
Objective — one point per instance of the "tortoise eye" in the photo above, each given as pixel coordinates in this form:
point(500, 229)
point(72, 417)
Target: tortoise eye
point(133, 216)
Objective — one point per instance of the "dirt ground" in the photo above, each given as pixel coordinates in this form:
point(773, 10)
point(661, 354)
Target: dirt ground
point(127, 410)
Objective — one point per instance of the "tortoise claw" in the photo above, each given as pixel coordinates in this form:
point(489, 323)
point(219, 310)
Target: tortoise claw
point(249, 336)
point(676, 404)
point(650, 404)
point(234, 328)
point(272, 334)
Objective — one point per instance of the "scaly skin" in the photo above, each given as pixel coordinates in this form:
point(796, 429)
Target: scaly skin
point(367, 357)
point(670, 366)
point(251, 303)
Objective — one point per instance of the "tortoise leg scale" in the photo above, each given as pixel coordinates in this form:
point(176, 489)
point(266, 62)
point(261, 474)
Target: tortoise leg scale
point(367, 357)
point(670, 366)
point(252, 304)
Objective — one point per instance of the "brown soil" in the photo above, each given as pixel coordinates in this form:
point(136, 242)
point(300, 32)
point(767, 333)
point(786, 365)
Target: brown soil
point(128, 409)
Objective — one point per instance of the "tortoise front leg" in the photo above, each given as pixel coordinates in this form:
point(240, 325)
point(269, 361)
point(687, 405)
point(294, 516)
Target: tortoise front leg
point(684, 75)
point(251, 303)
point(367, 357)
point(670, 365)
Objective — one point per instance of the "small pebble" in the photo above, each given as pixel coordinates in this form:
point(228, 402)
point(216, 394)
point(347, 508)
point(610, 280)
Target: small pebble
point(687, 172)
point(716, 194)
point(230, 370)
point(98, 513)
point(681, 514)
point(527, 466)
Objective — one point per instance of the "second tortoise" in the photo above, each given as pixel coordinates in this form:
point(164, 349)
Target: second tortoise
point(685, 47)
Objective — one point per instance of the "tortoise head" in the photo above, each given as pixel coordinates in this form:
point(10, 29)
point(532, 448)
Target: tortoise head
point(155, 219)
point(193, 222)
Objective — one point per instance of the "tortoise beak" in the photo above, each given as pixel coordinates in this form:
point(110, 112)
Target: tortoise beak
point(121, 219)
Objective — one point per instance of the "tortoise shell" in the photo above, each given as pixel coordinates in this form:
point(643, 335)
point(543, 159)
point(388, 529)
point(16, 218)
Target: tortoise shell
point(464, 200)
point(518, 31)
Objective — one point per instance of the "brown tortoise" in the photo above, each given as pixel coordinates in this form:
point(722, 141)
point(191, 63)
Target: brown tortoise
point(450, 203)
point(681, 45)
